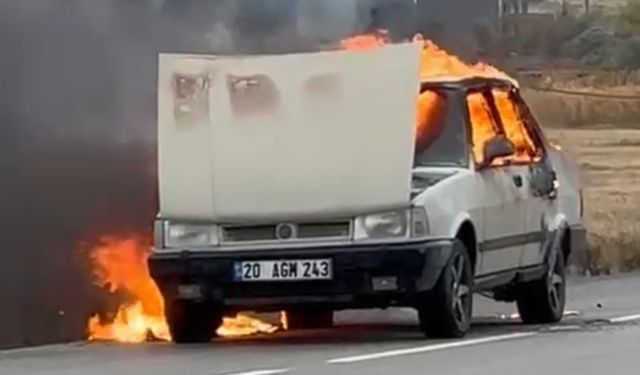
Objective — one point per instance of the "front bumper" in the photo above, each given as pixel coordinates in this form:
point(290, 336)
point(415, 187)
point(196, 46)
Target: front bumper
point(407, 270)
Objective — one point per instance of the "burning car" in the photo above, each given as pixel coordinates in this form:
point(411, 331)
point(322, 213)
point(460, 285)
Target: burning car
point(312, 183)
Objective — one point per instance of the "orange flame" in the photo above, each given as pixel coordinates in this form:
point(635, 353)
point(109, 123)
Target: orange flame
point(121, 266)
point(437, 64)
point(244, 325)
point(366, 42)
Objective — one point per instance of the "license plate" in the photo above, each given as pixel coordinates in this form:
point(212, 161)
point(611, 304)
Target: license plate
point(284, 270)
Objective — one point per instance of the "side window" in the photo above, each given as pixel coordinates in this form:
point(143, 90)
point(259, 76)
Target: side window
point(483, 124)
point(515, 128)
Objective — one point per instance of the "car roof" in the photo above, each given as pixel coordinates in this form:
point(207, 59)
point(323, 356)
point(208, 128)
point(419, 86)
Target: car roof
point(470, 83)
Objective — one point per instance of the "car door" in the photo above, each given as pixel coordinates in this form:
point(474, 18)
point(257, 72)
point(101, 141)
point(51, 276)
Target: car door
point(528, 160)
point(498, 186)
point(542, 207)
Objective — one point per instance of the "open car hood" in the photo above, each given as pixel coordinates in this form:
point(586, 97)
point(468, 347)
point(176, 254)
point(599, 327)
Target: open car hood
point(287, 136)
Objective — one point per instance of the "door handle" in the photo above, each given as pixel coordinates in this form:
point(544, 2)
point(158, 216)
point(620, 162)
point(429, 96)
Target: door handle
point(517, 180)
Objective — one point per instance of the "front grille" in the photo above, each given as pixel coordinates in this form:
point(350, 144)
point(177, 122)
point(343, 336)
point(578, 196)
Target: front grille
point(249, 233)
point(324, 230)
point(301, 231)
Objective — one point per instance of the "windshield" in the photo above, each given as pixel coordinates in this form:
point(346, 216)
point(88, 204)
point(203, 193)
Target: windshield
point(440, 134)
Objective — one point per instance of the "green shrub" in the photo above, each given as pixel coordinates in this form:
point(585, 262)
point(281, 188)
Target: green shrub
point(628, 53)
point(564, 30)
point(596, 46)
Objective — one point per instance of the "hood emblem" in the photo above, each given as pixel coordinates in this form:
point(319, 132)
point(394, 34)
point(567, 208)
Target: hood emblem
point(285, 231)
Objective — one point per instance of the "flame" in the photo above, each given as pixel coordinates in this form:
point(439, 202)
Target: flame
point(131, 325)
point(366, 42)
point(284, 320)
point(244, 325)
point(437, 64)
point(429, 118)
point(514, 128)
point(120, 265)
point(484, 128)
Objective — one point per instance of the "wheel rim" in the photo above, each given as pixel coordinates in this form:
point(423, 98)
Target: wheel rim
point(461, 290)
point(556, 284)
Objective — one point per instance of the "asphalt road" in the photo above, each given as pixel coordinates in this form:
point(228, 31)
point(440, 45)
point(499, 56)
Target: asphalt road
point(600, 334)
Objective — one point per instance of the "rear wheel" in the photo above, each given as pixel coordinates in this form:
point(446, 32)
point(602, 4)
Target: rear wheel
point(446, 312)
point(192, 322)
point(309, 319)
point(542, 301)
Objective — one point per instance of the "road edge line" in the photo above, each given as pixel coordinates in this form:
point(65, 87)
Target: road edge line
point(625, 319)
point(263, 372)
point(431, 348)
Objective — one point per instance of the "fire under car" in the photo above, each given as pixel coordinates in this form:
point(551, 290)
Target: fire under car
point(301, 183)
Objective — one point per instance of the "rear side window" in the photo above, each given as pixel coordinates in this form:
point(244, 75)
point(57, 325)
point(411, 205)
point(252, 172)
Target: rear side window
point(483, 124)
point(515, 128)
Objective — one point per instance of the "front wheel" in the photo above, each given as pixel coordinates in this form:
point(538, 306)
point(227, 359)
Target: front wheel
point(446, 311)
point(192, 322)
point(542, 301)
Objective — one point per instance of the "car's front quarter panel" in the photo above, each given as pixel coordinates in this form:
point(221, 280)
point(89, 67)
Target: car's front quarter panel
point(451, 202)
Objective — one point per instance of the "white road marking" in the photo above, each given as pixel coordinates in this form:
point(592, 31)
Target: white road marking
point(263, 372)
point(516, 316)
point(431, 348)
point(565, 328)
point(625, 319)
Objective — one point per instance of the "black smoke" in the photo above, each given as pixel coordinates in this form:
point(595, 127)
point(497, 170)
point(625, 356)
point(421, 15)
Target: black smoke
point(77, 125)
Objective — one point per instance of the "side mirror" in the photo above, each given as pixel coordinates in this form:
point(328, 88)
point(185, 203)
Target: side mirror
point(497, 147)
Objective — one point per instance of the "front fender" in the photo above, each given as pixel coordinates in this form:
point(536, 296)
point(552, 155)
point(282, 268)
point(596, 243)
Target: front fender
point(435, 261)
point(457, 222)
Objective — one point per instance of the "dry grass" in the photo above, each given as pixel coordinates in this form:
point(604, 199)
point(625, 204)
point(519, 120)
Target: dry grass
point(557, 110)
point(610, 159)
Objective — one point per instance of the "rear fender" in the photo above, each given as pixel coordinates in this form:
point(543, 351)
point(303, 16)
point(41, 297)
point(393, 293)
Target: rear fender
point(553, 236)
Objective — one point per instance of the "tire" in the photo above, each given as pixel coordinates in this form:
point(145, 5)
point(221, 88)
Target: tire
point(192, 322)
point(446, 311)
point(542, 301)
point(309, 319)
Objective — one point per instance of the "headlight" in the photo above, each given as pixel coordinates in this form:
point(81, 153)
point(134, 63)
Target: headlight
point(393, 224)
point(190, 235)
